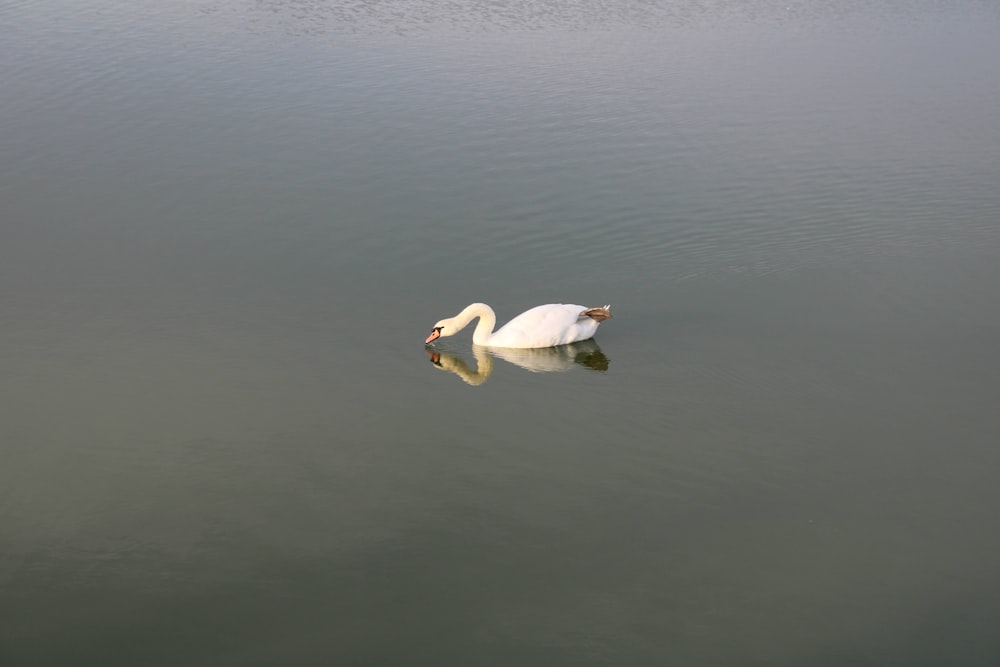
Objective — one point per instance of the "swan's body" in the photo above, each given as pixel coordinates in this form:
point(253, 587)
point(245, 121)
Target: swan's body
point(542, 326)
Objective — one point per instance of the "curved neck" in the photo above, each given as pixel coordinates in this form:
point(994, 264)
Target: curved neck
point(487, 320)
point(455, 364)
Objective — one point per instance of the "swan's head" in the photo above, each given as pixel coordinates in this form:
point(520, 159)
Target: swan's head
point(442, 328)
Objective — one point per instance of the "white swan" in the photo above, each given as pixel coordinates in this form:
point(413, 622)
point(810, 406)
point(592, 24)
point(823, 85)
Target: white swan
point(542, 326)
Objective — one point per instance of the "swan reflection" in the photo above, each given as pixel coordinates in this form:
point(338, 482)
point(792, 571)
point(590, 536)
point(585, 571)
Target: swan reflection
point(537, 360)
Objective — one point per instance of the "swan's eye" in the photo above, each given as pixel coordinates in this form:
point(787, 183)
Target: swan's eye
point(438, 329)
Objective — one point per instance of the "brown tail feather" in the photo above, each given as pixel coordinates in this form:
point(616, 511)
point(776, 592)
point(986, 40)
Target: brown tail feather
point(598, 314)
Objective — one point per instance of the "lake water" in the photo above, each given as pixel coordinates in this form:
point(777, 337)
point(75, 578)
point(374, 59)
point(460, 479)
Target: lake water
point(226, 229)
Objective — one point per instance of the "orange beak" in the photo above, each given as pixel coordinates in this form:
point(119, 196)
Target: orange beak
point(434, 336)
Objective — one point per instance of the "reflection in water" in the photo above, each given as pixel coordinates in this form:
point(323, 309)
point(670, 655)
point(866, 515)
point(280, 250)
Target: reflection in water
point(538, 360)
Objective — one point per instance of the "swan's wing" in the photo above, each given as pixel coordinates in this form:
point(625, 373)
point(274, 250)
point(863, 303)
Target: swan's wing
point(542, 326)
point(549, 317)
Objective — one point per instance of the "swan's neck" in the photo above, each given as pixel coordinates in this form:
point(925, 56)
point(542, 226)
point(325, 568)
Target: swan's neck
point(487, 320)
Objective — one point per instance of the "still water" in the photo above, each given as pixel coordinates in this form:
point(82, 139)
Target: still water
point(226, 229)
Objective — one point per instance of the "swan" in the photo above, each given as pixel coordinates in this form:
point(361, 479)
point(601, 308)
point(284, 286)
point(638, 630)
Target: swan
point(542, 326)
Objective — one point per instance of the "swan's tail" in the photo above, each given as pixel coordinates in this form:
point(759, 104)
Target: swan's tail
point(598, 314)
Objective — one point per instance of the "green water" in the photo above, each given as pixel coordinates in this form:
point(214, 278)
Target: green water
point(226, 229)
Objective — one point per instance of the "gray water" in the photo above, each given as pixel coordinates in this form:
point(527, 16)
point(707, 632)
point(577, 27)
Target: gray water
point(226, 229)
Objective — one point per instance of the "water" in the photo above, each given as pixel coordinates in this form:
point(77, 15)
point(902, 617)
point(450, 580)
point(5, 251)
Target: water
point(226, 228)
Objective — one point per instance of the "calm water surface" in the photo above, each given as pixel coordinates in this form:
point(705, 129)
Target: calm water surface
point(226, 229)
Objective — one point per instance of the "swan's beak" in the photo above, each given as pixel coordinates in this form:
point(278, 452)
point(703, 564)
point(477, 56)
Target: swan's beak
point(433, 337)
point(435, 357)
